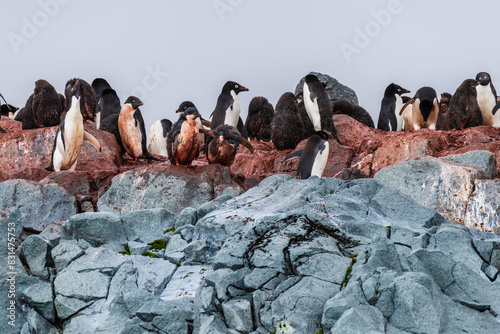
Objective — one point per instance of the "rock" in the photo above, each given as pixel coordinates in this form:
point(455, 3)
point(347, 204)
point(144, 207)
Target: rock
point(162, 186)
point(36, 150)
point(350, 297)
point(137, 248)
point(66, 252)
point(40, 297)
point(335, 90)
point(147, 225)
point(483, 209)
point(45, 203)
point(36, 250)
point(97, 228)
point(153, 274)
point(37, 324)
point(359, 320)
point(446, 187)
point(485, 160)
point(84, 286)
point(10, 125)
point(186, 217)
point(176, 244)
point(184, 283)
point(238, 315)
point(66, 306)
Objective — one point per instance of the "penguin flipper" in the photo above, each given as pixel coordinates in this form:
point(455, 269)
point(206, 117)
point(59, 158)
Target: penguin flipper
point(295, 154)
point(494, 111)
point(92, 140)
point(391, 115)
point(245, 143)
point(242, 129)
point(51, 168)
point(206, 123)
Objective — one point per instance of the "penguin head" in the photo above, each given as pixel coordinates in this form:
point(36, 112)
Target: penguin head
point(310, 78)
point(191, 113)
point(445, 98)
point(234, 86)
point(184, 105)
point(394, 89)
point(426, 96)
point(325, 135)
point(76, 90)
point(135, 102)
point(483, 78)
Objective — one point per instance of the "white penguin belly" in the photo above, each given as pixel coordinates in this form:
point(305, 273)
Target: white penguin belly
point(320, 161)
point(157, 143)
point(233, 112)
point(312, 108)
point(399, 118)
point(73, 139)
point(486, 102)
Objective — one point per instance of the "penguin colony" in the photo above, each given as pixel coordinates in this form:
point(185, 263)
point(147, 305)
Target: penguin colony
point(295, 118)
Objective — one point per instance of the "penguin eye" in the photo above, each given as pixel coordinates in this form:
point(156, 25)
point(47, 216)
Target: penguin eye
point(236, 86)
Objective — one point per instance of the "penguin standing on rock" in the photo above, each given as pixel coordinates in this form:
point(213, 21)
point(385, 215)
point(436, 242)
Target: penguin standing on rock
point(227, 110)
point(443, 117)
point(183, 145)
point(70, 135)
point(260, 116)
point(317, 105)
point(314, 156)
point(199, 120)
point(408, 115)
point(222, 148)
point(132, 129)
point(425, 109)
point(43, 107)
point(158, 137)
point(99, 85)
point(390, 117)
point(287, 129)
point(7, 109)
point(108, 104)
point(486, 97)
point(464, 111)
point(354, 111)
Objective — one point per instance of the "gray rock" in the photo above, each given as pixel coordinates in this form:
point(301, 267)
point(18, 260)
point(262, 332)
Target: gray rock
point(52, 232)
point(258, 277)
point(35, 323)
point(335, 90)
point(176, 318)
point(186, 231)
point(176, 244)
point(238, 315)
point(208, 207)
point(360, 319)
point(434, 183)
point(483, 210)
point(66, 252)
point(137, 248)
point(482, 159)
point(335, 307)
point(478, 290)
point(186, 217)
point(40, 297)
point(147, 225)
point(185, 282)
point(97, 228)
point(172, 189)
point(495, 258)
point(45, 203)
point(439, 265)
point(67, 306)
point(35, 250)
point(153, 274)
point(196, 251)
point(84, 286)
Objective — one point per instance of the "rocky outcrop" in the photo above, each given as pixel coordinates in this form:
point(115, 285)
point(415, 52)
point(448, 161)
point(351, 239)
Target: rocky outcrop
point(334, 89)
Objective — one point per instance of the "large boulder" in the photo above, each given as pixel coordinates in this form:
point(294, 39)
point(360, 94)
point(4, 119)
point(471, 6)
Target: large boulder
point(334, 89)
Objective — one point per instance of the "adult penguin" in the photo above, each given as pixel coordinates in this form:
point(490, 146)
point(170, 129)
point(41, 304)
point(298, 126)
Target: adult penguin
point(70, 135)
point(425, 109)
point(99, 85)
point(183, 145)
point(43, 108)
point(6, 109)
point(224, 144)
point(158, 137)
point(390, 118)
point(132, 129)
point(287, 129)
point(199, 120)
point(108, 104)
point(314, 156)
point(357, 112)
point(486, 97)
point(260, 116)
point(318, 106)
point(227, 109)
point(464, 111)
point(88, 100)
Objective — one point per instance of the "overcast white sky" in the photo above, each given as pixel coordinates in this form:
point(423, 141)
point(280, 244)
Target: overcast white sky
point(167, 51)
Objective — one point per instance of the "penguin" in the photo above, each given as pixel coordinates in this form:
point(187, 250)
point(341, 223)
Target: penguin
point(354, 111)
point(222, 147)
point(183, 145)
point(464, 111)
point(70, 135)
point(390, 118)
point(99, 85)
point(132, 129)
point(287, 130)
point(7, 109)
point(496, 116)
point(110, 124)
point(306, 121)
point(486, 97)
point(199, 120)
point(108, 104)
point(317, 105)
point(158, 137)
point(227, 109)
point(260, 116)
point(408, 115)
point(425, 109)
point(314, 156)
point(43, 108)
point(443, 116)
point(88, 100)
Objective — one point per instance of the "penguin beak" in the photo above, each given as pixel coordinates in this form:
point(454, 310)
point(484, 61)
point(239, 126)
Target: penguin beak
point(244, 89)
point(406, 91)
point(140, 103)
point(177, 111)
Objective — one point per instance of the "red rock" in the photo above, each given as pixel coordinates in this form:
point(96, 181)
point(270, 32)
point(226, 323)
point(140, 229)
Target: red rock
point(10, 125)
